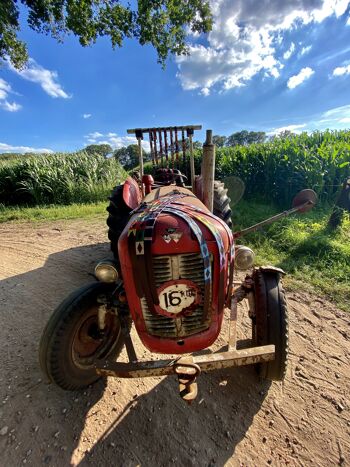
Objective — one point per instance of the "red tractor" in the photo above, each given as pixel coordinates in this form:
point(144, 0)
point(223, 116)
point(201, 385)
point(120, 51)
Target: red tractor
point(173, 277)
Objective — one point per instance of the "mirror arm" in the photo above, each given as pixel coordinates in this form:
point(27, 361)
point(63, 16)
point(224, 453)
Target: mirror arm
point(272, 219)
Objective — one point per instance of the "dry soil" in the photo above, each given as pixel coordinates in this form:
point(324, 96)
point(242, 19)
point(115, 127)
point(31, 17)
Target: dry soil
point(236, 420)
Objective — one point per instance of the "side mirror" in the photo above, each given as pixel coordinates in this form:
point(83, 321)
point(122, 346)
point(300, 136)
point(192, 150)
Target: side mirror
point(304, 201)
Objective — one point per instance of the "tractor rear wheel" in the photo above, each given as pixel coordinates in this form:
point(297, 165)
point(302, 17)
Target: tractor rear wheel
point(72, 341)
point(270, 323)
point(118, 217)
point(222, 207)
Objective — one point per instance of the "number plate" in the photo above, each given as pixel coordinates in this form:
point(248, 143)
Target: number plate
point(177, 296)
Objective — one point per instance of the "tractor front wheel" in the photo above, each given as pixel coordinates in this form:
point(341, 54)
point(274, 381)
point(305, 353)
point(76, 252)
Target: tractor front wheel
point(270, 323)
point(72, 340)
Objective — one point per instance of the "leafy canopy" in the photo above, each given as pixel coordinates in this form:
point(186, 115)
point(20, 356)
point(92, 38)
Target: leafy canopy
point(128, 156)
point(101, 149)
point(244, 138)
point(219, 141)
point(164, 24)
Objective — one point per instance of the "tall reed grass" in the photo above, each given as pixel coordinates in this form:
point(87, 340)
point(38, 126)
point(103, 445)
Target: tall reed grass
point(58, 179)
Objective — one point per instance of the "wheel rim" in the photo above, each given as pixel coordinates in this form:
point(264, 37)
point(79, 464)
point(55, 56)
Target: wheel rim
point(88, 343)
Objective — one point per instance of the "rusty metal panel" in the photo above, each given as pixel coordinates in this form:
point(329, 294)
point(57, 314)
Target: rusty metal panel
point(209, 362)
point(132, 131)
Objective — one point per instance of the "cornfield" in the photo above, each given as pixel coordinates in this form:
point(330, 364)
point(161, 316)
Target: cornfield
point(58, 179)
point(276, 170)
point(273, 171)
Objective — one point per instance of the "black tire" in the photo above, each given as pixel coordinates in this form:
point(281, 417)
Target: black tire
point(70, 332)
point(222, 207)
point(270, 325)
point(118, 217)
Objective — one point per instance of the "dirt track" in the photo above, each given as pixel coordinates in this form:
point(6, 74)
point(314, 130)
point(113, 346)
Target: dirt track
point(236, 419)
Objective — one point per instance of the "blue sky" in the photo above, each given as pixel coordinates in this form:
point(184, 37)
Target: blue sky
point(267, 65)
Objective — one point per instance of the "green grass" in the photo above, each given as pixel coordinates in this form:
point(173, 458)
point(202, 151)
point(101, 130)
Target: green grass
point(302, 246)
point(53, 212)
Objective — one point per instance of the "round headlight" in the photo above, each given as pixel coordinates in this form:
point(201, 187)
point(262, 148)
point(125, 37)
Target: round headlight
point(244, 257)
point(105, 271)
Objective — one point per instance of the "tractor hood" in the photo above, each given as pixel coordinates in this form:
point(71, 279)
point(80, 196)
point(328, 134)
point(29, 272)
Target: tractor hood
point(176, 260)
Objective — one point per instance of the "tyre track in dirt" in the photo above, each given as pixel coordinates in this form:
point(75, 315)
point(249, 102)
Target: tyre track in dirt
point(236, 420)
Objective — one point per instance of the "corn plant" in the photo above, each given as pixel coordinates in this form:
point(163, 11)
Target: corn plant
point(58, 179)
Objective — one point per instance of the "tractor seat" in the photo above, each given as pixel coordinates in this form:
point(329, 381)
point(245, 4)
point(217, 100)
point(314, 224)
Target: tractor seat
point(169, 176)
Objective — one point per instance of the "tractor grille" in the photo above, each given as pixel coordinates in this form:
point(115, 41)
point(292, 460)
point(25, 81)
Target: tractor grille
point(166, 268)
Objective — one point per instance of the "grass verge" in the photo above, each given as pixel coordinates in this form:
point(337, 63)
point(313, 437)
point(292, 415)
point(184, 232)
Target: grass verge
point(302, 246)
point(53, 212)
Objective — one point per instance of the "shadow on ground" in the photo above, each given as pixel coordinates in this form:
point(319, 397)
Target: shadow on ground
point(144, 427)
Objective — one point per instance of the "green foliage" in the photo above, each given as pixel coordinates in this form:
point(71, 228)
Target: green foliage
point(52, 212)
point(302, 246)
point(276, 170)
point(197, 145)
point(15, 157)
point(163, 23)
point(219, 141)
point(128, 156)
point(244, 137)
point(58, 178)
point(101, 149)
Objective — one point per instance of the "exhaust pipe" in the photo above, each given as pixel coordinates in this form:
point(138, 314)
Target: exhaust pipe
point(208, 170)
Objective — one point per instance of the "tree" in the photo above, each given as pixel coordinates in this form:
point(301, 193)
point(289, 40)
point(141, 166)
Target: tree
point(197, 145)
point(237, 139)
point(128, 156)
point(162, 23)
point(256, 137)
point(102, 149)
point(219, 141)
point(244, 137)
point(285, 134)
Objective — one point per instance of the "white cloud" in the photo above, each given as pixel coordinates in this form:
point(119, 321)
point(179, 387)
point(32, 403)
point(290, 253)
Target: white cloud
point(94, 135)
point(303, 75)
point(245, 38)
point(341, 70)
point(85, 116)
point(47, 79)
point(337, 118)
point(22, 149)
point(10, 106)
point(305, 50)
point(289, 52)
point(337, 113)
point(114, 140)
point(5, 90)
point(292, 128)
point(4, 86)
